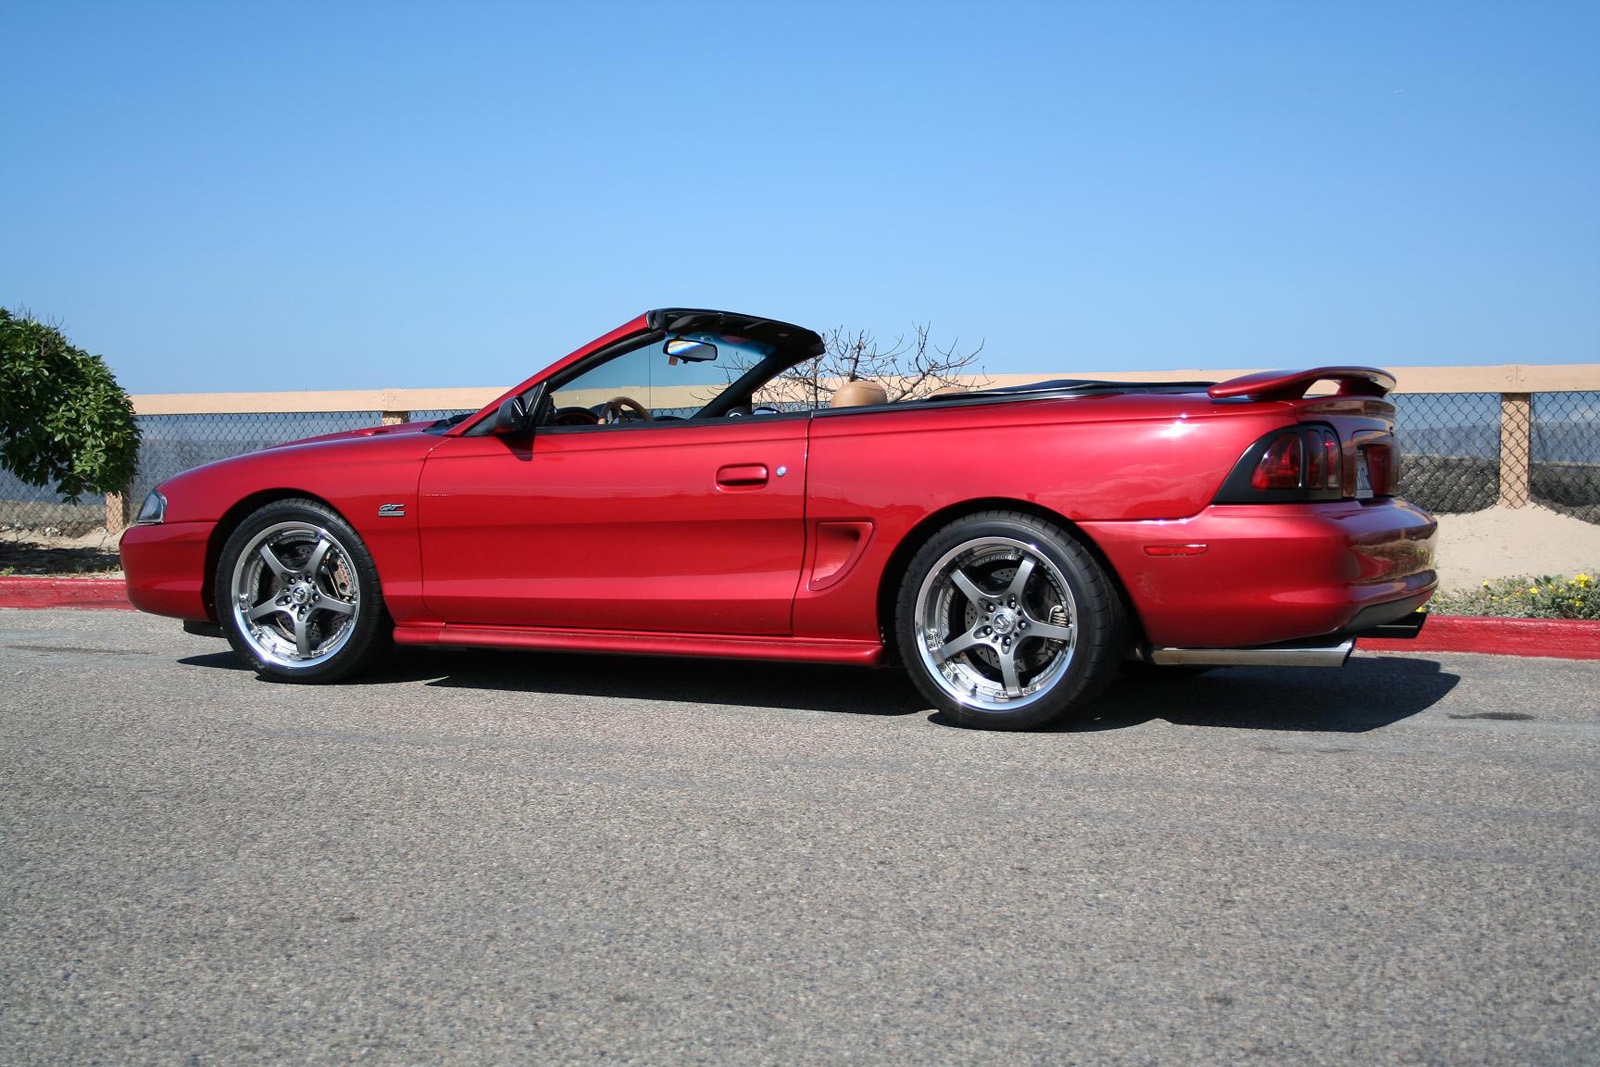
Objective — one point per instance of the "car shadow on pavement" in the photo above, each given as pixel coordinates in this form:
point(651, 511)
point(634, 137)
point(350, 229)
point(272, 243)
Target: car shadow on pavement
point(800, 687)
point(1367, 693)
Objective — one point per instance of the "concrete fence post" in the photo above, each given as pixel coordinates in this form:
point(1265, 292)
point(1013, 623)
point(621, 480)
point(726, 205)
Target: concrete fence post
point(1516, 449)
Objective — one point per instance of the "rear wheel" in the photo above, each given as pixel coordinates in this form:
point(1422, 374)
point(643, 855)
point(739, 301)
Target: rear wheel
point(1006, 621)
point(298, 594)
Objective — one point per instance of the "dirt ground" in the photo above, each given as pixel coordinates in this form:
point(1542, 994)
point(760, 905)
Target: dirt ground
point(31, 552)
point(1482, 545)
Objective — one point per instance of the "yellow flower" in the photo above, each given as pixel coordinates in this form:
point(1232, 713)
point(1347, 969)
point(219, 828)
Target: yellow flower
point(1533, 589)
point(1582, 579)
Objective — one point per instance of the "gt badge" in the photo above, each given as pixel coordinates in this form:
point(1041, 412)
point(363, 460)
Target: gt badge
point(391, 511)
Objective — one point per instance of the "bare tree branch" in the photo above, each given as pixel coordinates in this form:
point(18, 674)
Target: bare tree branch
point(909, 368)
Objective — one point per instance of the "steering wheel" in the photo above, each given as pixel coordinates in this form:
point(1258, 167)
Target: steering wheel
point(623, 409)
point(573, 416)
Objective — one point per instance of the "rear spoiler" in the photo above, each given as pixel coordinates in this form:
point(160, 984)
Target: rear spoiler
point(1292, 384)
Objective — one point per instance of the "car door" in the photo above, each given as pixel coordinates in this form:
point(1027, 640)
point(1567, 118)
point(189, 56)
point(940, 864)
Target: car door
point(680, 526)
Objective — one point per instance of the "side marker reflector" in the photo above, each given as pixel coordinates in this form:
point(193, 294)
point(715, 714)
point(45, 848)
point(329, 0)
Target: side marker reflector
point(1196, 549)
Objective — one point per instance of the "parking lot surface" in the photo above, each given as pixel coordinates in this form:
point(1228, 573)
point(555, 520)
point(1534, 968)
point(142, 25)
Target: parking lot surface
point(501, 858)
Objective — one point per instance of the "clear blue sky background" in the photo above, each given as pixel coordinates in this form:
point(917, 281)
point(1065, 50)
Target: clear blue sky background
point(222, 197)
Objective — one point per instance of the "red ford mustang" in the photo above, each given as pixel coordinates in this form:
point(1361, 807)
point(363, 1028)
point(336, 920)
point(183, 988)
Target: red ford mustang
point(655, 491)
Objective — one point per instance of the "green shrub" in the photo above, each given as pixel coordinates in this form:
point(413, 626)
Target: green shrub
point(63, 417)
point(1525, 597)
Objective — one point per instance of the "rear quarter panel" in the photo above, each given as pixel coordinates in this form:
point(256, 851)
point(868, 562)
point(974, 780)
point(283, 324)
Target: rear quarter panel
point(1100, 458)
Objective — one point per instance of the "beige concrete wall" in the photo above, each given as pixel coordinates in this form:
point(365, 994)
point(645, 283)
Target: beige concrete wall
point(1508, 378)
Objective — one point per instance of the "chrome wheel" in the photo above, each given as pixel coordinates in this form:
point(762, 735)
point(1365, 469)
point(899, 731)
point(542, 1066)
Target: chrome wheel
point(296, 596)
point(996, 623)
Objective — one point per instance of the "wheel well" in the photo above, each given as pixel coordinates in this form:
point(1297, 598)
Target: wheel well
point(900, 559)
point(229, 522)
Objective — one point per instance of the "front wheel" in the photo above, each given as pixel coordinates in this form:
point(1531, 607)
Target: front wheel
point(1006, 621)
point(298, 595)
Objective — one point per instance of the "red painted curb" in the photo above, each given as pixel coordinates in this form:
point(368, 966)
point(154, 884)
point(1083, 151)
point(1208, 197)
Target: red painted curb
point(25, 592)
point(1555, 638)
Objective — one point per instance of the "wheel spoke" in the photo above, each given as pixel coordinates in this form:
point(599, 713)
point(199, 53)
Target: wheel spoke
point(317, 555)
point(957, 645)
point(968, 588)
point(1049, 631)
point(271, 559)
point(263, 609)
point(1020, 579)
point(338, 607)
point(1008, 671)
point(302, 639)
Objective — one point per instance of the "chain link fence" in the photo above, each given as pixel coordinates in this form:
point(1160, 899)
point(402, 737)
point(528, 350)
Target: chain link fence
point(29, 509)
point(1564, 465)
point(173, 444)
point(170, 445)
point(435, 414)
point(1461, 452)
point(1449, 450)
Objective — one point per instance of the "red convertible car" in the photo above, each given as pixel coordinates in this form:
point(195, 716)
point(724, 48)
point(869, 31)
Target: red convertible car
point(656, 492)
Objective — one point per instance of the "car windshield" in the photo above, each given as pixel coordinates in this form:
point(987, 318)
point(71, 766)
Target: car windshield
point(662, 382)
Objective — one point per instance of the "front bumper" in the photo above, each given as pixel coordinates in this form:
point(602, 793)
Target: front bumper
point(166, 568)
point(1273, 572)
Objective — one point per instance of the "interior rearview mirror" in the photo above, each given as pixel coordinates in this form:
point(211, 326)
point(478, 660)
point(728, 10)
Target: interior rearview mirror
point(687, 351)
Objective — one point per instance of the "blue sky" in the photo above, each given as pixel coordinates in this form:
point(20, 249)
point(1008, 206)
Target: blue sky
point(222, 197)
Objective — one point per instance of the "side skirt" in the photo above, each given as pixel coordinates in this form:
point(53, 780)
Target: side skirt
point(724, 646)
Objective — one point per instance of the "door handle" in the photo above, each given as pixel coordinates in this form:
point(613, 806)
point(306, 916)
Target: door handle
point(742, 475)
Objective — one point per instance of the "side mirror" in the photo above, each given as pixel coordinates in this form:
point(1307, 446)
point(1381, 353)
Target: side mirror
point(681, 349)
point(512, 417)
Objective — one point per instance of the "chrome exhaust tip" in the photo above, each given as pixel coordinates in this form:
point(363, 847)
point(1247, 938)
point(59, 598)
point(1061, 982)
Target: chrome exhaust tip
point(1312, 652)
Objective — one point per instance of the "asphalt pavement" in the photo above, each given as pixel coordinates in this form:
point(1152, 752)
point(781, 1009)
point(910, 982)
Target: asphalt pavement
point(503, 858)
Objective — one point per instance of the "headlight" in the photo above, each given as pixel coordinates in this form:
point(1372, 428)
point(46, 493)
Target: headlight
point(154, 510)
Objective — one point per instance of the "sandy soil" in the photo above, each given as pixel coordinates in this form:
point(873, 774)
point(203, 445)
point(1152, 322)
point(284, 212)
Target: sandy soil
point(1501, 542)
point(1474, 547)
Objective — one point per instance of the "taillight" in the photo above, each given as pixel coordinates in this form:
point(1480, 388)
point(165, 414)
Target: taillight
point(1281, 466)
point(1300, 463)
point(1335, 459)
point(1307, 458)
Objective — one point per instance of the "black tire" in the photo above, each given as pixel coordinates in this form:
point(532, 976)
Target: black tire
point(1002, 621)
point(321, 612)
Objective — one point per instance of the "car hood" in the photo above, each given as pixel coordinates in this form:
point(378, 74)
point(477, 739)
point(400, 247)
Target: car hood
point(352, 435)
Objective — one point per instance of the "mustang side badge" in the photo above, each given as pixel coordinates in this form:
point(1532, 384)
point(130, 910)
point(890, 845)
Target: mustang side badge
point(391, 511)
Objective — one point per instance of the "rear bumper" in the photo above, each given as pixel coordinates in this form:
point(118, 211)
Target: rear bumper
point(1273, 572)
point(165, 565)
